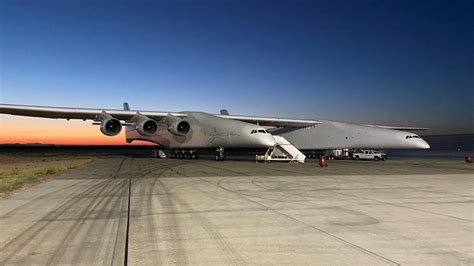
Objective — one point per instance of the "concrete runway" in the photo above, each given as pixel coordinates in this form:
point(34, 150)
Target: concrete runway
point(403, 211)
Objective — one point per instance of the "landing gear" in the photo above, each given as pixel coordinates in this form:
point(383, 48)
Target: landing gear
point(184, 154)
point(220, 156)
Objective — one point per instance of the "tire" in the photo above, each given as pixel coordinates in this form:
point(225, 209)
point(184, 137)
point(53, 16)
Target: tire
point(384, 159)
point(376, 158)
point(357, 158)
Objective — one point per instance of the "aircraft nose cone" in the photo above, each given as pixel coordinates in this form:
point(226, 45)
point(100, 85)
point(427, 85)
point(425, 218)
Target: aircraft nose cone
point(267, 140)
point(424, 145)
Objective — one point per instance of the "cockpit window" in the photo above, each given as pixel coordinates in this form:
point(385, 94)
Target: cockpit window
point(262, 131)
point(408, 137)
point(416, 137)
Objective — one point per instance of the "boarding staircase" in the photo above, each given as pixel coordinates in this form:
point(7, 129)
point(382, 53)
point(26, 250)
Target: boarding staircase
point(284, 147)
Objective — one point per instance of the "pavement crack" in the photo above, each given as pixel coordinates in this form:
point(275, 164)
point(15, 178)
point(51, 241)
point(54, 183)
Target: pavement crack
point(127, 232)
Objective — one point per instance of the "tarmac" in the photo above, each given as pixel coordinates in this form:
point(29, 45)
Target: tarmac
point(147, 211)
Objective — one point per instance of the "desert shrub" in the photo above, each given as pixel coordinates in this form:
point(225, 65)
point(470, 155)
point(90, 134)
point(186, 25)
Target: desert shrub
point(15, 172)
point(51, 170)
point(9, 184)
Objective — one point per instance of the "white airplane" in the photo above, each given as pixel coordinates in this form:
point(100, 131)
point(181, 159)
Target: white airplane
point(198, 130)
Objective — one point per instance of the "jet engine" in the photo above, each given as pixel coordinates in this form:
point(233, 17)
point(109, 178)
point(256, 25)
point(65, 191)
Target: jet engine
point(109, 125)
point(145, 126)
point(178, 126)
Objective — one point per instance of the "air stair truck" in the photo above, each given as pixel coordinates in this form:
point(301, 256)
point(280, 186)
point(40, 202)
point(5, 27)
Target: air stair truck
point(282, 151)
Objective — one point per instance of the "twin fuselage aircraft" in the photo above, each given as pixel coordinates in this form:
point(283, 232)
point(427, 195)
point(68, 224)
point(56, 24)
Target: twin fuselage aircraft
point(198, 130)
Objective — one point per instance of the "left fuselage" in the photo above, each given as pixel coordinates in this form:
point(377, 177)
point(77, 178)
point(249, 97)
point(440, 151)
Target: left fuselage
point(208, 131)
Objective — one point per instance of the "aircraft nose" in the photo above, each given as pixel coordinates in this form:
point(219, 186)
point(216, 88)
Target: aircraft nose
point(267, 140)
point(423, 144)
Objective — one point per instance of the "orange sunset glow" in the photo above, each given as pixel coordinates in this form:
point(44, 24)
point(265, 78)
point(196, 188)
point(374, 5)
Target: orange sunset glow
point(23, 130)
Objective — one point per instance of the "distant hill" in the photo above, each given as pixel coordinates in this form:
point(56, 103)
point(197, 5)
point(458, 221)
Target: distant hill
point(69, 145)
point(451, 142)
point(437, 142)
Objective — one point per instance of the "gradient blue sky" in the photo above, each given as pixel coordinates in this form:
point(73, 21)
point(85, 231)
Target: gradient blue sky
point(381, 62)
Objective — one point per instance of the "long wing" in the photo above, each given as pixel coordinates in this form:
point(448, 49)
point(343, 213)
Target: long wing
point(77, 113)
point(91, 114)
point(399, 128)
point(273, 121)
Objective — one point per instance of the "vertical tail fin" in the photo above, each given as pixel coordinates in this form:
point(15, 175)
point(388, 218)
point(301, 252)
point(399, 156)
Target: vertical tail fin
point(129, 130)
point(126, 107)
point(224, 112)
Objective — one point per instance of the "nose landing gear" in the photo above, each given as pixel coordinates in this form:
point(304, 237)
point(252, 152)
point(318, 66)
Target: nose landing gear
point(220, 156)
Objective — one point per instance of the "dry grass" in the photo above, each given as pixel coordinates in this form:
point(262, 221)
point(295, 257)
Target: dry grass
point(19, 170)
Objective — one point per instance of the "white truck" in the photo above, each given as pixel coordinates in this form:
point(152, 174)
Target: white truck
point(369, 155)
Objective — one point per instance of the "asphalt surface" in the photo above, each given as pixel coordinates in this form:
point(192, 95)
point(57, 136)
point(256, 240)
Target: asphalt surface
point(403, 211)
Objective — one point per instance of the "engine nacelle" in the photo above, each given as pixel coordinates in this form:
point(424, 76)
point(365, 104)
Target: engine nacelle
point(110, 126)
point(145, 126)
point(178, 126)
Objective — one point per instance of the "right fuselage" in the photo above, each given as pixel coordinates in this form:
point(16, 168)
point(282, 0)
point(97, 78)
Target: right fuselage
point(340, 135)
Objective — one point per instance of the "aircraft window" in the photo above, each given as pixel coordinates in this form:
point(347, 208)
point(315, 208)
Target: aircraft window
point(408, 137)
point(261, 131)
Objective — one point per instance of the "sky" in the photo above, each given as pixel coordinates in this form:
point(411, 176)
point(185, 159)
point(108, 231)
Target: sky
point(400, 63)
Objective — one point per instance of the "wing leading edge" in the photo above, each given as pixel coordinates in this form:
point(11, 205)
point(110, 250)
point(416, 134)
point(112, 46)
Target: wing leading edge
point(92, 114)
point(399, 128)
point(76, 113)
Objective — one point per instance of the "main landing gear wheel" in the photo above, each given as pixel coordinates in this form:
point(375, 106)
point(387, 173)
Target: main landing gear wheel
point(220, 157)
point(184, 155)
